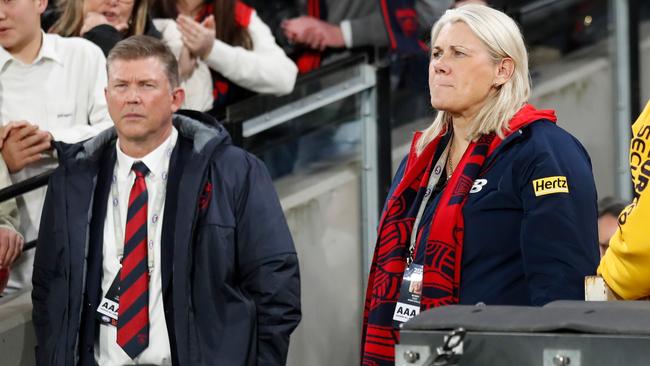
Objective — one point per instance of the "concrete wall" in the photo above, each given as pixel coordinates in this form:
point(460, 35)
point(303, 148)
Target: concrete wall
point(17, 338)
point(581, 90)
point(645, 70)
point(326, 227)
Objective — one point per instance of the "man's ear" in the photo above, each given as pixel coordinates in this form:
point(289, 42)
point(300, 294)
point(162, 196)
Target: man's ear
point(505, 69)
point(41, 5)
point(178, 97)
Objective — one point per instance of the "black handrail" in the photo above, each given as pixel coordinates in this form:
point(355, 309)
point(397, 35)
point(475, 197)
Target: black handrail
point(23, 187)
point(30, 245)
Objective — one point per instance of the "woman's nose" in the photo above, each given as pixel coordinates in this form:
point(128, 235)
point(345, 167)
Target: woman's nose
point(439, 66)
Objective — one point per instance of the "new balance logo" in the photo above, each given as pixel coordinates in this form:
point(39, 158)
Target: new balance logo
point(549, 185)
point(478, 185)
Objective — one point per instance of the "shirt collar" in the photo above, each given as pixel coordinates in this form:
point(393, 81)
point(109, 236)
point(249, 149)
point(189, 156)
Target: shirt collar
point(4, 57)
point(47, 51)
point(157, 160)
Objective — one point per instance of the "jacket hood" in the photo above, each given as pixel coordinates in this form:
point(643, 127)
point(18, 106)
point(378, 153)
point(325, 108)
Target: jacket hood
point(205, 132)
point(524, 117)
point(528, 114)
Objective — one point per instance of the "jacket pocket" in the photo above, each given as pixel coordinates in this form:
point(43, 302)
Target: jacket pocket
point(214, 253)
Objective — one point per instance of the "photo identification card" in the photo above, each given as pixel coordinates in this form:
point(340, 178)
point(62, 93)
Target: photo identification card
point(410, 293)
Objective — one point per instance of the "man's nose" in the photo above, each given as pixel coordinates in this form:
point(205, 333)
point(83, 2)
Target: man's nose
point(132, 96)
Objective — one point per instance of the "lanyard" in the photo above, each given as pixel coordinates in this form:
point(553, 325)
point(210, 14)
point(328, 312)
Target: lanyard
point(157, 207)
point(433, 180)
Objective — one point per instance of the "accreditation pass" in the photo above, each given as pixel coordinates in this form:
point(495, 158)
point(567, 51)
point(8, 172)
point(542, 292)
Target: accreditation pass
point(410, 294)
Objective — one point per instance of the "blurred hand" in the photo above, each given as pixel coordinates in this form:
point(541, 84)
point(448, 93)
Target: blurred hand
point(92, 19)
point(314, 33)
point(197, 37)
point(186, 63)
point(11, 246)
point(460, 3)
point(8, 127)
point(24, 145)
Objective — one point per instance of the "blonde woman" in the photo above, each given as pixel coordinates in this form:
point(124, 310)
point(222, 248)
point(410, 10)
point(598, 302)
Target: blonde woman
point(104, 22)
point(494, 203)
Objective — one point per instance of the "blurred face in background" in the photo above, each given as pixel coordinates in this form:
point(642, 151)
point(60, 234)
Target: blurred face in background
point(20, 23)
point(117, 12)
point(607, 225)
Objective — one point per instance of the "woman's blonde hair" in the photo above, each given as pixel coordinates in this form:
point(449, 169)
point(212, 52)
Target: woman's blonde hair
point(503, 40)
point(71, 20)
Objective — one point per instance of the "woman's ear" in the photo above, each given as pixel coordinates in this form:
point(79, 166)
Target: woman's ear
point(504, 71)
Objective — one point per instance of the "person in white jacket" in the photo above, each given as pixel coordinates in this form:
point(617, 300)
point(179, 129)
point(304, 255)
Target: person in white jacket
point(235, 44)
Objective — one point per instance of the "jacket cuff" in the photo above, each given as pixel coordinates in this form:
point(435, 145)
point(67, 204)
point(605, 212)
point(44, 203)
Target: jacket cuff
point(368, 31)
point(346, 30)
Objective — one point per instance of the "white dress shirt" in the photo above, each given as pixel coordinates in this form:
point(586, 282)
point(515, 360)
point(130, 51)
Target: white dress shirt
point(107, 351)
point(62, 92)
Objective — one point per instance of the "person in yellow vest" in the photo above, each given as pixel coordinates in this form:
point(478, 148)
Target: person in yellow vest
point(626, 265)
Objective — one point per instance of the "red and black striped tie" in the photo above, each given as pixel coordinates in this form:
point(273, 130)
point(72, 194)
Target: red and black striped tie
point(133, 313)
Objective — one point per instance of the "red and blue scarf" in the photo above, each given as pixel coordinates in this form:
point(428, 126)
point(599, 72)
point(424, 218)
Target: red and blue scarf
point(401, 21)
point(444, 246)
point(308, 60)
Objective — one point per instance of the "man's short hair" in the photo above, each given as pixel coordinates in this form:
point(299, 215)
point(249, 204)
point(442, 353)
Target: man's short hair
point(610, 206)
point(140, 47)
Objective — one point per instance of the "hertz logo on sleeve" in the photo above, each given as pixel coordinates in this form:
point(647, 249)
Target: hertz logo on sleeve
point(550, 185)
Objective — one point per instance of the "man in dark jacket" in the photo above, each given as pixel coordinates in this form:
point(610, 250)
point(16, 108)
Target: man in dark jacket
point(160, 242)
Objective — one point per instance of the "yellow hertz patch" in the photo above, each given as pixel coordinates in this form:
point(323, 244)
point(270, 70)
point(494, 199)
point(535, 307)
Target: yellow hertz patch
point(549, 185)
